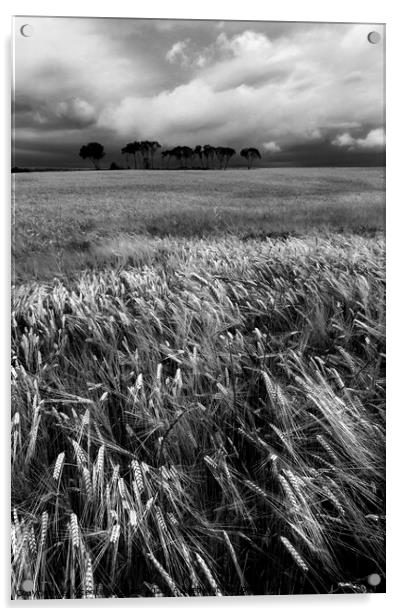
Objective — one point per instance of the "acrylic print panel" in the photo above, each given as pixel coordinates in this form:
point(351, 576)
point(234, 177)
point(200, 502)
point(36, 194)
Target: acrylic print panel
point(198, 316)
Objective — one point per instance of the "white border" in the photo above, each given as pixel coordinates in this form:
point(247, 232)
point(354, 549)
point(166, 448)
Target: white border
point(380, 11)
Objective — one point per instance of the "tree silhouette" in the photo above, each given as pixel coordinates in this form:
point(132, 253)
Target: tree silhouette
point(220, 155)
point(146, 151)
point(134, 147)
point(208, 153)
point(177, 152)
point(167, 154)
point(142, 150)
point(229, 152)
point(130, 150)
point(187, 154)
point(94, 151)
point(198, 152)
point(144, 147)
point(250, 154)
point(153, 146)
point(126, 153)
point(223, 155)
point(212, 155)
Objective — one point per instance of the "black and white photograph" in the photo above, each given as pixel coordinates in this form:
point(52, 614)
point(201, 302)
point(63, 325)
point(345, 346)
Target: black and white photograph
point(198, 308)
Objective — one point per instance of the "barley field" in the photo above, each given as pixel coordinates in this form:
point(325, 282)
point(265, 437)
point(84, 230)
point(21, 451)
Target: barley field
point(62, 220)
point(198, 383)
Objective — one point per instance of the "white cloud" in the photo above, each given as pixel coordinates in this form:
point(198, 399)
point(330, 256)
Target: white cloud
point(201, 60)
point(344, 141)
point(242, 49)
point(177, 53)
point(271, 146)
point(288, 89)
point(246, 43)
point(374, 140)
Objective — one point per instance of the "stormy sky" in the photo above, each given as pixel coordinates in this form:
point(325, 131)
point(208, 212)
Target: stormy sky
point(302, 93)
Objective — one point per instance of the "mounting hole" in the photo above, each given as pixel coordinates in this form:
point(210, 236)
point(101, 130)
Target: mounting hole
point(27, 585)
point(27, 30)
point(374, 37)
point(374, 579)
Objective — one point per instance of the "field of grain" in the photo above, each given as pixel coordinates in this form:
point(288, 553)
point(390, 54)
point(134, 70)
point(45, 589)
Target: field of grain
point(61, 219)
point(198, 391)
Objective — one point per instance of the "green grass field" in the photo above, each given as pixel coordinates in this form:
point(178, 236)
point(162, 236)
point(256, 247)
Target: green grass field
point(198, 383)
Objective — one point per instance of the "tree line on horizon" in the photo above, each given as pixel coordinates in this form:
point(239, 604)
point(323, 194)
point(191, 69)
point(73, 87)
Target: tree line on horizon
point(141, 155)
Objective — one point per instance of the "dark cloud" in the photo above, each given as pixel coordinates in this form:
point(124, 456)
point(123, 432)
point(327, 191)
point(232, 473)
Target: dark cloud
point(72, 114)
point(22, 105)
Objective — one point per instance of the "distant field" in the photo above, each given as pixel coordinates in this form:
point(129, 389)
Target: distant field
point(62, 218)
